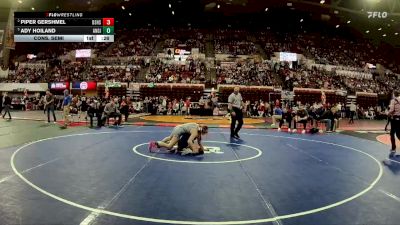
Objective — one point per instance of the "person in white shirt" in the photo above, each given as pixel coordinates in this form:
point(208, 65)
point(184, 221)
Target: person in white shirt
point(394, 113)
point(353, 109)
point(236, 107)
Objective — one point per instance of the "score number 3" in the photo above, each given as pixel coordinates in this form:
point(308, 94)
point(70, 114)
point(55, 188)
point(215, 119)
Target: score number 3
point(108, 21)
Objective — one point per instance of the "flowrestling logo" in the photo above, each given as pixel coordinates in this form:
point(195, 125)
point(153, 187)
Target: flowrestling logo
point(380, 15)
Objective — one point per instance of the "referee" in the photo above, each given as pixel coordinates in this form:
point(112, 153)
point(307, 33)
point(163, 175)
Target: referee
point(394, 112)
point(235, 106)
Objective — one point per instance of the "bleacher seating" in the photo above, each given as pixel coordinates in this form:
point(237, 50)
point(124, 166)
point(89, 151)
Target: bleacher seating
point(366, 100)
point(308, 95)
point(249, 93)
point(173, 91)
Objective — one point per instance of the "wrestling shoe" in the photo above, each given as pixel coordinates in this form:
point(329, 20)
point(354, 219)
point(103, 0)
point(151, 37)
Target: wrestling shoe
point(152, 146)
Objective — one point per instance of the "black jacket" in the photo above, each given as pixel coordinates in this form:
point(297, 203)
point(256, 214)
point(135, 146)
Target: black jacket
point(327, 115)
point(7, 100)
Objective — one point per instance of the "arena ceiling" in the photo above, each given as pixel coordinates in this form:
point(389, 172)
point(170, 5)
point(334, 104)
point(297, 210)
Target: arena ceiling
point(336, 15)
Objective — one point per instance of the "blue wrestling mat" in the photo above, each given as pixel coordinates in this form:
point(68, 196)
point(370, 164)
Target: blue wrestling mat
point(108, 176)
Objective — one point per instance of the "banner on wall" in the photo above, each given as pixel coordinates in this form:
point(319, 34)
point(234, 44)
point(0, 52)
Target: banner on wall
point(59, 85)
point(84, 85)
point(287, 56)
point(23, 87)
point(110, 84)
point(83, 53)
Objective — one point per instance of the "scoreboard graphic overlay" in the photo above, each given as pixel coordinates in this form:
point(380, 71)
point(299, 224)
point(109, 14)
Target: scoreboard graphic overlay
point(62, 27)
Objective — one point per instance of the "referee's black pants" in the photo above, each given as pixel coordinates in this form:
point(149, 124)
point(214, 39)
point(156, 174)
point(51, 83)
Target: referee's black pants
point(395, 130)
point(239, 118)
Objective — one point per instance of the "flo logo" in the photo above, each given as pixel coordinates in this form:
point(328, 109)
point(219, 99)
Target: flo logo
point(380, 15)
point(215, 150)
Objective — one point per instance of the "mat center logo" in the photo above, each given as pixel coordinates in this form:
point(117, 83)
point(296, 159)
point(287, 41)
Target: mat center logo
point(212, 149)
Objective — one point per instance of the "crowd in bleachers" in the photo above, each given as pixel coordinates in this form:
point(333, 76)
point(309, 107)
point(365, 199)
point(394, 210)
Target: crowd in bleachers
point(139, 42)
point(68, 71)
point(279, 42)
point(169, 72)
point(184, 44)
point(115, 73)
point(185, 39)
point(310, 78)
point(235, 47)
point(131, 47)
point(351, 81)
point(233, 42)
point(349, 57)
point(248, 73)
point(26, 75)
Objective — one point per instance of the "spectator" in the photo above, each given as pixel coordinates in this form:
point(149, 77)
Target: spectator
point(49, 106)
point(7, 105)
point(111, 111)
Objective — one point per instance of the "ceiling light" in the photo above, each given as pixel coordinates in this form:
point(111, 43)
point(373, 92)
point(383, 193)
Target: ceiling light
point(19, 1)
point(388, 25)
point(33, 9)
point(384, 35)
point(396, 33)
point(169, 5)
point(348, 21)
point(336, 12)
point(301, 20)
point(322, 1)
point(123, 7)
point(266, 9)
point(337, 26)
point(130, 14)
point(380, 28)
point(367, 31)
point(289, 4)
point(173, 13)
point(218, 6)
point(57, 7)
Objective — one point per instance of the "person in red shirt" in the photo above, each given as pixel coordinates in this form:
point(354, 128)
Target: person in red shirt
point(277, 103)
point(261, 109)
point(187, 105)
